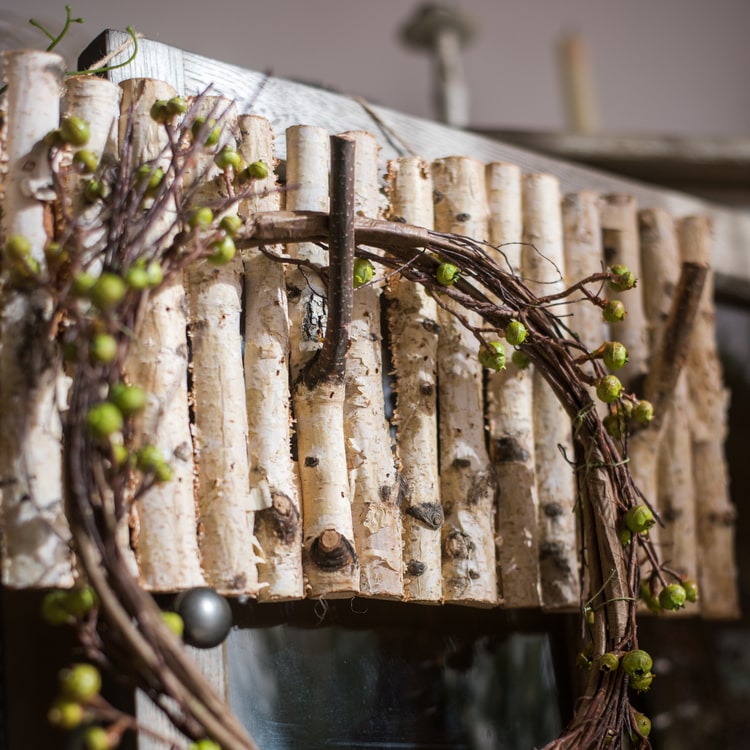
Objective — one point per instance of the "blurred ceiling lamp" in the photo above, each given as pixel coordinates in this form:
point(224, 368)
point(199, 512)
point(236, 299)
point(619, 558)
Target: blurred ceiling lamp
point(444, 31)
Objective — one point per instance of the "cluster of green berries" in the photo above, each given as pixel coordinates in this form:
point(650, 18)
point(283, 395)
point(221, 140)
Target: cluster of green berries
point(492, 354)
point(620, 280)
point(22, 266)
point(672, 597)
point(67, 606)
point(616, 422)
point(637, 665)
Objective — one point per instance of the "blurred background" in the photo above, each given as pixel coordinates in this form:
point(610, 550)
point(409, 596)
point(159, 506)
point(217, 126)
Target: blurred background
point(673, 66)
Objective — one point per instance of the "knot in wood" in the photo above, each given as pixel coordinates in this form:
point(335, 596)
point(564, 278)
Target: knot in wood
point(430, 514)
point(458, 545)
point(332, 551)
point(415, 568)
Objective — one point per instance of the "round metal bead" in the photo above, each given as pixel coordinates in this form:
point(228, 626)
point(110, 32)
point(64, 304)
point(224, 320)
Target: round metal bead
point(206, 614)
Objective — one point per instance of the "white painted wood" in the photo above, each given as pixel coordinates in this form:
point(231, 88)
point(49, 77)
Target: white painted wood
point(286, 103)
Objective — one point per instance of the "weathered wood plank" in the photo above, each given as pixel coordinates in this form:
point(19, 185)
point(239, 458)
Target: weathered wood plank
point(287, 103)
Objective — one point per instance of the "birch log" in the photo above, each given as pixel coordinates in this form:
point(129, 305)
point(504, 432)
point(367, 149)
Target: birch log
point(229, 549)
point(273, 474)
point(412, 322)
point(373, 477)
point(543, 267)
point(96, 101)
point(619, 219)
point(35, 539)
point(164, 518)
point(661, 458)
point(510, 418)
point(329, 561)
point(707, 409)
point(467, 483)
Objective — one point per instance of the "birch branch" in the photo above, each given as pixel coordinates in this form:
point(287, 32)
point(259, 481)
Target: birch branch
point(708, 421)
point(228, 546)
point(510, 417)
point(329, 558)
point(273, 474)
point(543, 266)
point(375, 482)
point(467, 483)
point(164, 517)
point(35, 539)
point(412, 321)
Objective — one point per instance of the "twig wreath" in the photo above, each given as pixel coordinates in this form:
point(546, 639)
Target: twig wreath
point(98, 281)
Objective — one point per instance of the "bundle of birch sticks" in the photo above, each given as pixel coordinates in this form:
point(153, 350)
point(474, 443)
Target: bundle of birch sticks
point(463, 492)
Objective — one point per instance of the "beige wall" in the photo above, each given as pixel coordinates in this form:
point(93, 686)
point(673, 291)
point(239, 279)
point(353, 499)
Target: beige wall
point(661, 65)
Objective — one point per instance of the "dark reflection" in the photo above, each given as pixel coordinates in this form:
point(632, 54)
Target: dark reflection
point(304, 688)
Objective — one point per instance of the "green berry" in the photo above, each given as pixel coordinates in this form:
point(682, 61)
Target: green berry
point(136, 277)
point(95, 190)
point(608, 389)
point(74, 130)
point(643, 412)
point(108, 291)
point(149, 457)
point(177, 106)
point(154, 273)
point(129, 399)
point(213, 133)
point(201, 218)
point(150, 178)
point(516, 333)
point(363, 271)
point(231, 224)
point(642, 723)
point(583, 660)
point(120, 454)
point(446, 274)
point(625, 535)
point(258, 170)
point(82, 284)
point(85, 161)
point(223, 251)
point(204, 744)
point(228, 157)
point(672, 597)
point(65, 714)
point(691, 590)
point(80, 601)
point(103, 348)
point(621, 278)
point(609, 662)
point(81, 682)
point(520, 359)
point(104, 420)
point(639, 518)
point(17, 248)
point(97, 738)
point(614, 311)
point(614, 355)
point(159, 111)
point(53, 608)
point(163, 472)
point(643, 682)
point(174, 622)
point(492, 356)
point(614, 424)
point(637, 663)
point(55, 253)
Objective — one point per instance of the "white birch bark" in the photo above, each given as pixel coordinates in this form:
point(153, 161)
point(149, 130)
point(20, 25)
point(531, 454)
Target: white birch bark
point(660, 465)
point(373, 477)
point(35, 539)
point(619, 221)
point(97, 101)
point(164, 517)
point(274, 478)
point(707, 410)
point(412, 321)
point(544, 270)
point(510, 417)
point(330, 563)
point(467, 482)
point(228, 546)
